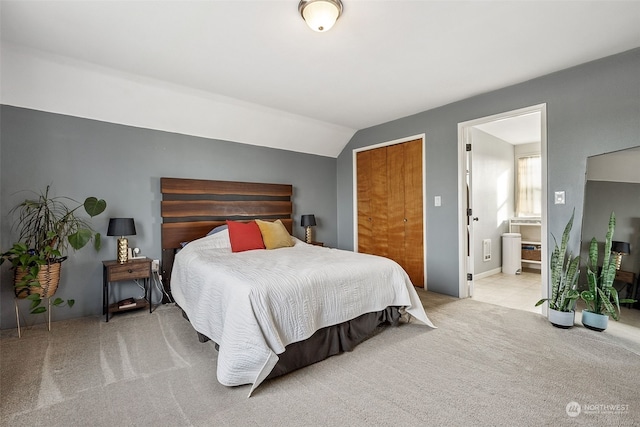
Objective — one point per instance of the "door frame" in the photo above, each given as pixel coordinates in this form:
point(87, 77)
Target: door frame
point(355, 151)
point(464, 137)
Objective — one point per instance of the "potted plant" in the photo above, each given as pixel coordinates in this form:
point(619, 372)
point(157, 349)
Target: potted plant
point(47, 226)
point(564, 279)
point(601, 298)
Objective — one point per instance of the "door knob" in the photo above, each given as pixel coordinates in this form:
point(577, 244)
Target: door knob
point(475, 218)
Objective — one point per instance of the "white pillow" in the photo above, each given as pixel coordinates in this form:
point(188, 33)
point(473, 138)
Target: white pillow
point(219, 240)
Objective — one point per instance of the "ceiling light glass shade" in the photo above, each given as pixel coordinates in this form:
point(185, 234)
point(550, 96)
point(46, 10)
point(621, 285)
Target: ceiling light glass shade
point(320, 15)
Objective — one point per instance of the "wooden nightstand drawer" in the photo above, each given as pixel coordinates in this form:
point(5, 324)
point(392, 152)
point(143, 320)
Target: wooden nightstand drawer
point(625, 276)
point(128, 271)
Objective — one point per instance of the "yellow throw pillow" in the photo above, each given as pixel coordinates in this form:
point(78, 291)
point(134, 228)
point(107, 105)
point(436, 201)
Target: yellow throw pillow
point(274, 234)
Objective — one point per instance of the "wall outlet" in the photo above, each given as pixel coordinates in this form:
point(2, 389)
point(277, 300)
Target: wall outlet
point(155, 265)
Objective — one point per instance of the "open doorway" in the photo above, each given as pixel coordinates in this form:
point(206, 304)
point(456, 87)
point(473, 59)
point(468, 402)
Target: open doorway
point(500, 159)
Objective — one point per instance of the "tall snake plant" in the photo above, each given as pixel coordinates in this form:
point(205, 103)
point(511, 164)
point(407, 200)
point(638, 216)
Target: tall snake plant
point(602, 297)
point(564, 274)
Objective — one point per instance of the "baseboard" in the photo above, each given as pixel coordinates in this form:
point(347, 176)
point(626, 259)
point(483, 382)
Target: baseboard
point(487, 273)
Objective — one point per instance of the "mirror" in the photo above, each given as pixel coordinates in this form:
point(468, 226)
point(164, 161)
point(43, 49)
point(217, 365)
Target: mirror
point(613, 184)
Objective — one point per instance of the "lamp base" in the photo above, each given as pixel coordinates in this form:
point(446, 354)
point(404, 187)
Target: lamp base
point(618, 259)
point(307, 235)
point(123, 245)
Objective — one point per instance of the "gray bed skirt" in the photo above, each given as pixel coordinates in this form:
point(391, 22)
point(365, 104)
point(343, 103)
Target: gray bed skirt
point(329, 341)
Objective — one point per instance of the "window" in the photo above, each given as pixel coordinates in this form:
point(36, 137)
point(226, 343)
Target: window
point(529, 186)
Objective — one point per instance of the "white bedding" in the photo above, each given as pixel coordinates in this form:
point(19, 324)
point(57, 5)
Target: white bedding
point(254, 303)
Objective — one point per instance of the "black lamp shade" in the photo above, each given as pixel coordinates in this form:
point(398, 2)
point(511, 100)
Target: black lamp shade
point(620, 247)
point(308, 221)
point(121, 227)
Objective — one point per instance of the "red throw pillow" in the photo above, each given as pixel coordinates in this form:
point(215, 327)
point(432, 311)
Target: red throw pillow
point(244, 236)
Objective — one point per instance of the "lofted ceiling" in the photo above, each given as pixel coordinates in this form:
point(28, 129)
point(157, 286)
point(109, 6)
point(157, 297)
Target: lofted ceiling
point(382, 60)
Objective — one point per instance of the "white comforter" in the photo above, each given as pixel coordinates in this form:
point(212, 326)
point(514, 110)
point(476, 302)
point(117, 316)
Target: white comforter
point(254, 303)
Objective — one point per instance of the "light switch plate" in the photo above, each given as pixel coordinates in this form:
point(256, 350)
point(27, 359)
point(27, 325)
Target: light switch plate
point(559, 198)
point(437, 201)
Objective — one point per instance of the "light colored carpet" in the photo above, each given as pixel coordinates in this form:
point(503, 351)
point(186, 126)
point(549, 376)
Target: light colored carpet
point(484, 365)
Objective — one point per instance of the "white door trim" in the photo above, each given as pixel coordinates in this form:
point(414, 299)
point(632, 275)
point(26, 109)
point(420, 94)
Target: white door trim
point(463, 131)
point(422, 137)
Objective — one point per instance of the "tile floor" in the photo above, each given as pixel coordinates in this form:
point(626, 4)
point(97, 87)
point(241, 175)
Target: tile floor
point(523, 291)
point(519, 291)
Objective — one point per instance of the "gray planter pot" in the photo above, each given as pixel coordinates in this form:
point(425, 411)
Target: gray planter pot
point(561, 319)
point(594, 321)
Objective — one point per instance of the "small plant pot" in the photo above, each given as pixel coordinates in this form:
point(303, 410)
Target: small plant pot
point(561, 319)
point(594, 321)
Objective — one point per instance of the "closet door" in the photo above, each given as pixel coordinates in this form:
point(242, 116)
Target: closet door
point(364, 194)
point(413, 212)
point(395, 203)
point(389, 191)
point(372, 203)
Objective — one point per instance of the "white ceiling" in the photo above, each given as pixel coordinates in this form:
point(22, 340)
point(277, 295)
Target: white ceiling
point(522, 129)
point(381, 61)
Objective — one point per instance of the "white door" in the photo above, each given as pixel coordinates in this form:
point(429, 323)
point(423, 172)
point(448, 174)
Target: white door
point(470, 218)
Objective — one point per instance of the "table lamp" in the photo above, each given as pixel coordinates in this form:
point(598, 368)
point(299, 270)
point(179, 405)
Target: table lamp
point(618, 249)
point(308, 221)
point(122, 227)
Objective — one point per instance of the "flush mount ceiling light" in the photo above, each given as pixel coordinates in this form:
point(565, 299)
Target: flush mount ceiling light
point(320, 15)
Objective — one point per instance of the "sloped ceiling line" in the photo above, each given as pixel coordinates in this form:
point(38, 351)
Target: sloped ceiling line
point(53, 83)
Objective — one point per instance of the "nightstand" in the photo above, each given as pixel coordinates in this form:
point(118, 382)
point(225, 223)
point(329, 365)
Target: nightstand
point(113, 271)
point(317, 243)
point(629, 279)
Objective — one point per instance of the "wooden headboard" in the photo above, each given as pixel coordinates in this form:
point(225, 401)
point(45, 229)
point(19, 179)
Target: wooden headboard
point(190, 208)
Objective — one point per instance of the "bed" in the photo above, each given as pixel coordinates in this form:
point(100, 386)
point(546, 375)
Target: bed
point(270, 311)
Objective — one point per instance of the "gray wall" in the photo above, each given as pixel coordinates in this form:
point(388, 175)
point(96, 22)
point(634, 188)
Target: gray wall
point(123, 165)
point(493, 166)
point(591, 109)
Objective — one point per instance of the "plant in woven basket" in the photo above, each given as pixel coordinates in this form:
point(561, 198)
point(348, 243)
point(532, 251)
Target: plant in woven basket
point(47, 226)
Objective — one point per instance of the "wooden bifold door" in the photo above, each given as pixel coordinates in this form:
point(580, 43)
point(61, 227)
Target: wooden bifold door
point(390, 205)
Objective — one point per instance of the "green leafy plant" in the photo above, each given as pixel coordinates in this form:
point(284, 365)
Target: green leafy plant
point(602, 297)
point(564, 274)
point(47, 226)
point(29, 263)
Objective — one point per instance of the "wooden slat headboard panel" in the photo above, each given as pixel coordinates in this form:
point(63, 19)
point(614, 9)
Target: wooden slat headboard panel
point(203, 186)
point(190, 208)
